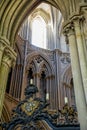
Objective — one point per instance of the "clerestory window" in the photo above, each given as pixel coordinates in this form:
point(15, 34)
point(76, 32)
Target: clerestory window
point(39, 32)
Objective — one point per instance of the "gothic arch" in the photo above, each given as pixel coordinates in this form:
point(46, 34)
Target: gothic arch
point(44, 66)
point(34, 54)
point(42, 13)
point(32, 65)
point(67, 87)
point(12, 15)
point(67, 75)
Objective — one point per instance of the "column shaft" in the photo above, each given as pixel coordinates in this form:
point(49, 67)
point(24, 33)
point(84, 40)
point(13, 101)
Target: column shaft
point(1, 52)
point(58, 89)
point(78, 85)
point(4, 71)
point(50, 92)
point(81, 53)
point(38, 84)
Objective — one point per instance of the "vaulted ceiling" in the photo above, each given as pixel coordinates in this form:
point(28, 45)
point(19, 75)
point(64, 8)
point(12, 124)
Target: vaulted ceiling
point(14, 12)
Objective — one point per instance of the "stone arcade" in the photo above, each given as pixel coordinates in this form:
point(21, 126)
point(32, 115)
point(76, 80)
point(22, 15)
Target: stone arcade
point(65, 36)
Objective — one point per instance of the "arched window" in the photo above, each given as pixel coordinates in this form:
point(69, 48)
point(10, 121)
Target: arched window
point(39, 32)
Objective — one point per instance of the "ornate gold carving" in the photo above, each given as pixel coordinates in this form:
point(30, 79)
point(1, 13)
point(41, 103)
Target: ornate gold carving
point(30, 106)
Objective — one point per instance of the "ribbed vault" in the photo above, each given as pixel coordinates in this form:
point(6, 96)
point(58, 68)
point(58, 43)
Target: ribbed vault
point(42, 13)
point(13, 13)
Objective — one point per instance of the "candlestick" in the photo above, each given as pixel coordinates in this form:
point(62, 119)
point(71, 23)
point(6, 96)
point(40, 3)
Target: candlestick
point(31, 81)
point(66, 100)
point(47, 96)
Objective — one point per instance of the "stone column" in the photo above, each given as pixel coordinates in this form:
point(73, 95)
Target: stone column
point(70, 101)
point(2, 47)
point(84, 12)
point(58, 89)
point(37, 75)
point(64, 93)
point(83, 9)
point(24, 83)
point(3, 43)
point(78, 84)
point(52, 92)
point(81, 54)
point(4, 71)
point(48, 89)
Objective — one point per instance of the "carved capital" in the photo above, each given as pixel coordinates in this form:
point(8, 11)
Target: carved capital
point(7, 50)
point(74, 20)
point(9, 58)
point(77, 19)
point(68, 29)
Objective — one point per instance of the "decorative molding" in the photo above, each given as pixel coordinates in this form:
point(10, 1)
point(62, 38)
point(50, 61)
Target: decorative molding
point(5, 46)
point(65, 59)
point(42, 13)
point(2, 47)
point(8, 58)
point(4, 40)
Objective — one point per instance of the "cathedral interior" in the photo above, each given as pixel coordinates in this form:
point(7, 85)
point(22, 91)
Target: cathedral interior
point(44, 41)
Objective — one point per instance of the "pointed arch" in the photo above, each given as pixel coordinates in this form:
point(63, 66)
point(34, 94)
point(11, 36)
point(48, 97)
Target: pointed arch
point(13, 13)
point(46, 59)
point(42, 13)
point(67, 75)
